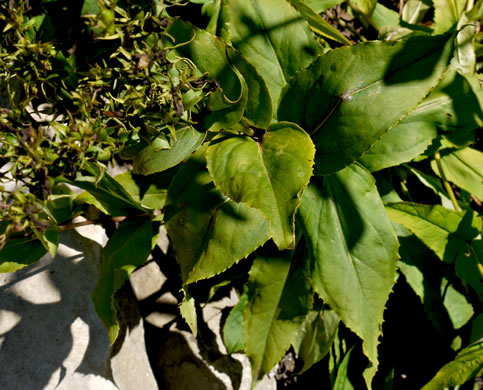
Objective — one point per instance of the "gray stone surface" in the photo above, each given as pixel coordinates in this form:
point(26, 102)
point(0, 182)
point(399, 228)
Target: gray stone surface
point(181, 361)
point(51, 337)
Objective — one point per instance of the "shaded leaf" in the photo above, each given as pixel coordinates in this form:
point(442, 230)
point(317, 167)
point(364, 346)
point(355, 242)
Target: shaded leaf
point(210, 55)
point(467, 266)
point(20, 252)
point(233, 329)
point(109, 193)
point(467, 364)
point(209, 231)
point(342, 381)
point(277, 305)
point(269, 175)
point(315, 337)
point(348, 108)
point(152, 159)
point(273, 37)
point(127, 249)
point(355, 251)
point(149, 191)
point(243, 91)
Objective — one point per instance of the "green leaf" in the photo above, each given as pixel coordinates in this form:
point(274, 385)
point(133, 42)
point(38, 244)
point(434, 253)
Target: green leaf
point(90, 7)
point(445, 306)
point(342, 381)
point(451, 106)
point(414, 10)
point(259, 109)
point(211, 56)
point(61, 204)
point(127, 249)
point(278, 302)
point(355, 251)
point(442, 230)
point(460, 311)
point(315, 337)
point(20, 252)
point(320, 6)
point(465, 53)
point(365, 7)
point(464, 167)
point(153, 159)
point(269, 175)
point(383, 16)
point(319, 24)
point(273, 37)
point(150, 191)
point(187, 308)
point(233, 329)
point(243, 91)
point(109, 193)
point(49, 238)
point(467, 266)
point(348, 108)
point(467, 364)
point(432, 183)
point(209, 232)
point(212, 9)
point(447, 13)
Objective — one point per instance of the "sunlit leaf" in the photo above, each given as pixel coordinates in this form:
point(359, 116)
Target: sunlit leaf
point(447, 13)
point(348, 108)
point(442, 230)
point(319, 24)
point(273, 37)
point(269, 175)
point(452, 106)
point(153, 159)
point(366, 7)
point(342, 381)
point(464, 167)
point(467, 364)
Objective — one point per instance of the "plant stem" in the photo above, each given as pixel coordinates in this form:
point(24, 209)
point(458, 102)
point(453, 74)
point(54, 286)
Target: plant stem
point(446, 184)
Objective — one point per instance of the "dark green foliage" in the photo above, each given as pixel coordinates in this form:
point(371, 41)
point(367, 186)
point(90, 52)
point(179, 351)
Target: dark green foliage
point(330, 186)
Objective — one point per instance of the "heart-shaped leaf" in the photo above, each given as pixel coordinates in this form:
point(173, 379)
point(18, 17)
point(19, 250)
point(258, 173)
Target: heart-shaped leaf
point(269, 175)
point(209, 231)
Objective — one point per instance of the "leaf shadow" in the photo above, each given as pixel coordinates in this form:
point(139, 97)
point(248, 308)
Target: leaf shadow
point(43, 339)
point(409, 64)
